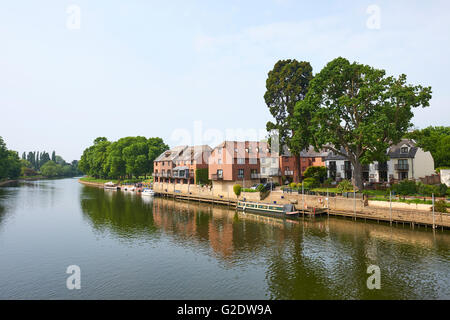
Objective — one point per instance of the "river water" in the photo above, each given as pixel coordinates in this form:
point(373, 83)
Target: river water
point(133, 247)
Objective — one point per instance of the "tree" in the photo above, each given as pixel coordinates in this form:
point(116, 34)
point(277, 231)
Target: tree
point(156, 146)
point(10, 164)
point(54, 156)
point(237, 190)
point(51, 169)
point(287, 84)
point(356, 111)
point(435, 140)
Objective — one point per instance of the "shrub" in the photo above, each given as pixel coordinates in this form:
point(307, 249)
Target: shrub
point(237, 189)
point(293, 185)
point(405, 187)
point(440, 206)
point(260, 187)
point(318, 173)
point(201, 176)
point(345, 186)
point(299, 186)
point(248, 190)
point(442, 190)
point(310, 183)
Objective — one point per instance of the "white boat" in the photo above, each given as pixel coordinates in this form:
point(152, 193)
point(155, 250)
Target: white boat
point(148, 192)
point(110, 186)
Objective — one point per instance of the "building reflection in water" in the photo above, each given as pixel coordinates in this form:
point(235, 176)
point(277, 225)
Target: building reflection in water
point(326, 258)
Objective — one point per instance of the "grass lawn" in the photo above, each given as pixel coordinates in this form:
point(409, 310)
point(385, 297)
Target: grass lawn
point(415, 201)
point(92, 179)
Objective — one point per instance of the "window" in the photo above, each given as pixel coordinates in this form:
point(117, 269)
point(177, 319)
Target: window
point(257, 150)
point(274, 160)
point(241, 161)
point(404, 150)
point(241, 173)
point(220, 173)
point(219, 161)
point(263, 170)
point(263, 160)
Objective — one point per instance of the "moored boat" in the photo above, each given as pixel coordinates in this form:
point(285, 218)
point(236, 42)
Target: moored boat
point(110, 186)
point(287, 210)
point(148, 192)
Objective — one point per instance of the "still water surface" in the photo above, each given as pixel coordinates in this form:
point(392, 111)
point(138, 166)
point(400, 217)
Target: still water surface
point(133, 247)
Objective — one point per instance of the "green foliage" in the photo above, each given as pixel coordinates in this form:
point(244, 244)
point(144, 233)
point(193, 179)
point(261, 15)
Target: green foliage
point(358, 108)
point(345, 186)
point(249, 190)
point(310, 183)
point(124, 158)
point(10, 163)
point(51, 169)
point(440, 206)
point(260, 188)
point(437, 141)
point(407, 187)
point(201, 176)
point(319, 173)
point(286, 84)
point(237, 189)
point(293, 185)
point(442, 190)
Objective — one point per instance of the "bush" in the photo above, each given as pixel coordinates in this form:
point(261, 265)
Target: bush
point(345, 186)
point(440, 206)
point(248, 190)
point(318, 173)
point(293, 185)
point(309, 183)
point(237, 189)
point(329, 181)
point(406, 187)
point(201, 176)
point(442, 190)
point(260, 188)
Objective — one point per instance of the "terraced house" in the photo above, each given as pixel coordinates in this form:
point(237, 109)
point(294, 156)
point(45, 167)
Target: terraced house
point(180, 164)
point(237, 162)
point(405, 161)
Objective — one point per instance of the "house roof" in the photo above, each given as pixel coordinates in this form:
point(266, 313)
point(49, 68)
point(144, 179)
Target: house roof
point(396, 152)
point(194, 153)
point(170, 155)
point(312, 153)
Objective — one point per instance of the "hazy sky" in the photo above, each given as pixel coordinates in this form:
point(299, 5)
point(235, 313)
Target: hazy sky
point(148, 67)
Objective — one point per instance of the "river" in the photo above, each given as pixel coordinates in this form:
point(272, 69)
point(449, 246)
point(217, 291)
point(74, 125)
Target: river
point(133, 247)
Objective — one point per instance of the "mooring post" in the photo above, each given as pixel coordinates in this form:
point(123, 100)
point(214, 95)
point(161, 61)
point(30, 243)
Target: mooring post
point(434, 226)
point(390, 207)
point(354, 203)
point(303, 197)
point(328, 203)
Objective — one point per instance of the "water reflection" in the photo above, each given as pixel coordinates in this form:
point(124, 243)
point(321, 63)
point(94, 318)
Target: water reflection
point(325, 258)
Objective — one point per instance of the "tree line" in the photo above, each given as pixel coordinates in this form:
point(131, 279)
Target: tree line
point(351, 109)
point(34, 164)
point(125, 158)
point(40, 163)
point(10, 165)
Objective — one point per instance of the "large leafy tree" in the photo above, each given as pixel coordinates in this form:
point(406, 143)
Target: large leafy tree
point(10, 164)
point(435, 140)
point(287, 83)
point(357, 111)
point(156, 146)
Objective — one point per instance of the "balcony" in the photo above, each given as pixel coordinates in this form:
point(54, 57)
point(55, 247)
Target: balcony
point(216, 177)
point(255, 176)
point(288, 173)
point(381, 167)
point(275, 172)
point(402, 167)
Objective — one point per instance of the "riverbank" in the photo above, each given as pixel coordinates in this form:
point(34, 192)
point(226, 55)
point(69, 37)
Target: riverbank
point(410, 214)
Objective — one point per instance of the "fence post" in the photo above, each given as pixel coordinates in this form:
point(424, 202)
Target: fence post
point(354, 203)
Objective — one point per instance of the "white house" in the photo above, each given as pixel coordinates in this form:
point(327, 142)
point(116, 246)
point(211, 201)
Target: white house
point(406, 161)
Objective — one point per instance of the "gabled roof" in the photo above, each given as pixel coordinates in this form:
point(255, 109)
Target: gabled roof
point(312, 153)
point(395, 150)
point(194, 153)
point(171, 154)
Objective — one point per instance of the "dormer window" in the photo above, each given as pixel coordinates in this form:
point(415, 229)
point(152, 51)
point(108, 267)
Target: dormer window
point(404, 150)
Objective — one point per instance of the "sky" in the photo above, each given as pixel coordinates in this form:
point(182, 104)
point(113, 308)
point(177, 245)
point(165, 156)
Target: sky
point(71, 71)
